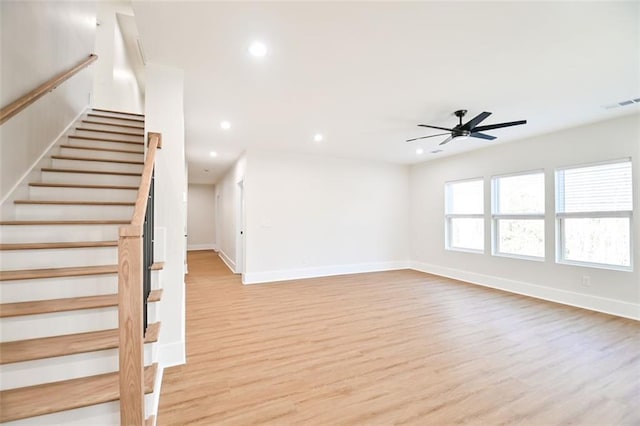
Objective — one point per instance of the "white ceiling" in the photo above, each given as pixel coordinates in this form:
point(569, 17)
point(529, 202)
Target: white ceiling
point(364, 74)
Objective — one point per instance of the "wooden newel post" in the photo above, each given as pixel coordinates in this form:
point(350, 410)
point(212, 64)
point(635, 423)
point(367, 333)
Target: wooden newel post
point(130, 295)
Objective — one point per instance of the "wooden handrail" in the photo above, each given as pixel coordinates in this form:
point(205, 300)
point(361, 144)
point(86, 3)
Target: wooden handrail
point(130, 299)
point(135, 227)
point(24, 101)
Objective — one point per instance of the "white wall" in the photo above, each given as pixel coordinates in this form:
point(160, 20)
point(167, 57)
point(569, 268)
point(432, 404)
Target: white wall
point(115, 86)
point(611, 291)
point(227, 199)
point(165, 114)
point(312, 216)
point(39, 40)
point(201, 220)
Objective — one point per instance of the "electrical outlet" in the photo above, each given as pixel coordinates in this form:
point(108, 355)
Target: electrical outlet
point(586, 281)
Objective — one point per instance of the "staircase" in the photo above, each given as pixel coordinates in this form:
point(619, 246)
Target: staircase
point(59, 279)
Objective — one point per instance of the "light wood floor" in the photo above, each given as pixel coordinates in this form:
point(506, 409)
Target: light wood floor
point(397, 347)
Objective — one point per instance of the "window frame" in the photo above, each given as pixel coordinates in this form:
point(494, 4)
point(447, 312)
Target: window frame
point(561, 216)
point(496, 217)
point(449, 216)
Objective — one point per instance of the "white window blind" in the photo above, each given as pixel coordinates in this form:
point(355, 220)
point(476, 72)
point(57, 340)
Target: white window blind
point(594, 206)
point(599, 188)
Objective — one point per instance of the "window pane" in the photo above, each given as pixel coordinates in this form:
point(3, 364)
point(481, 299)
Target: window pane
point(598, 240)
point(605, 187)
point(465, 197)
point(520, 194)
point(521, 237)
point(467, 233)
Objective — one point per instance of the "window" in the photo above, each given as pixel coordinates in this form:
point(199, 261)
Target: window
point(518, 215)
point(593, 215)
point(464, 218)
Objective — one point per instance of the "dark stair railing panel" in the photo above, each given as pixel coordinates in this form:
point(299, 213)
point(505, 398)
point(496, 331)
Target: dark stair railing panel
point(147, 256)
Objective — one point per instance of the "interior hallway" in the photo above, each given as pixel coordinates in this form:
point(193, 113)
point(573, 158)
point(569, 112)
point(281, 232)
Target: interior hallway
point(394, 347)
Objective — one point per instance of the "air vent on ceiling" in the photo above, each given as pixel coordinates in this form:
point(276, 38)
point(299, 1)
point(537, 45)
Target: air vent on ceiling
point(435, 151)
point(622, 103)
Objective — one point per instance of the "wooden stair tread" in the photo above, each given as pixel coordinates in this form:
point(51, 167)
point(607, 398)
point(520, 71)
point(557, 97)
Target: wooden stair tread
point(90, 148)
point(76, 203)
point(90, 138)
point(74, 185)
point(99, 160)
point(60, 245)
point(113, 124)
point(111, 132)
point(117, 112)
point(65, 222)
point(137, 120)
point(93, 172)
point(157, 266)
point(53, 397)
point(74, 271)
point(70, 344)
point(67, 304)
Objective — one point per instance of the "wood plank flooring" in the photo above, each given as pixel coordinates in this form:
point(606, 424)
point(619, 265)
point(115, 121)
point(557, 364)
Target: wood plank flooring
point(398, 347)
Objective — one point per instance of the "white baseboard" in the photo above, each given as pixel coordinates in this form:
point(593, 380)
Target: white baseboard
point(227, 261)
point(172, 354)
point(194, 247)
point(585, 301)
point(322, 271)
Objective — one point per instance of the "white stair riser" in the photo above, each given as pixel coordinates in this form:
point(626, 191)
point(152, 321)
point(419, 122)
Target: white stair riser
point(120, 114)
point(105, 144)
point(107, 155)
point(11, 260)
point(53, 324)
point(81, 194)
point(58, 288)
point(96, 124)
point(58, 323)
point(30, 373)
point(134, 136)
point(115, 120)
point(89, 178)
point(57, 233)
point(72, 212)
point(96, 166)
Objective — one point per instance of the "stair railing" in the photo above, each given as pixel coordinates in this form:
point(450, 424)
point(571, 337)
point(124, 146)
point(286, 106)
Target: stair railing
point(24, 101)
point(133, 266)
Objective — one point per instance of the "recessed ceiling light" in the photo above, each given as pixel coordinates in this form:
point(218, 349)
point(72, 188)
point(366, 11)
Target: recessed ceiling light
point(419, 151)
point(213, 154)
point(258, 49)
point(318, 137)
point(225, 125)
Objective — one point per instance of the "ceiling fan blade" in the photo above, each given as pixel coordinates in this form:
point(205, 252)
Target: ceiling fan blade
point(435, 127)
point(482, 136)
point(469, 125)
point(424, 137)
point(499, 125)
point(447, 140)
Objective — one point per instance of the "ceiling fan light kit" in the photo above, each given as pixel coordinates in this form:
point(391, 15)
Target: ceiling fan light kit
point(470, 129)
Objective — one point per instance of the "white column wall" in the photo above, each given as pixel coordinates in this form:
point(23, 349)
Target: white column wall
point(165, 114)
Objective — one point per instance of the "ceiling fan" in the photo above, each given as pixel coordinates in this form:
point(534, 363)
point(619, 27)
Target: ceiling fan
point(468, 129)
